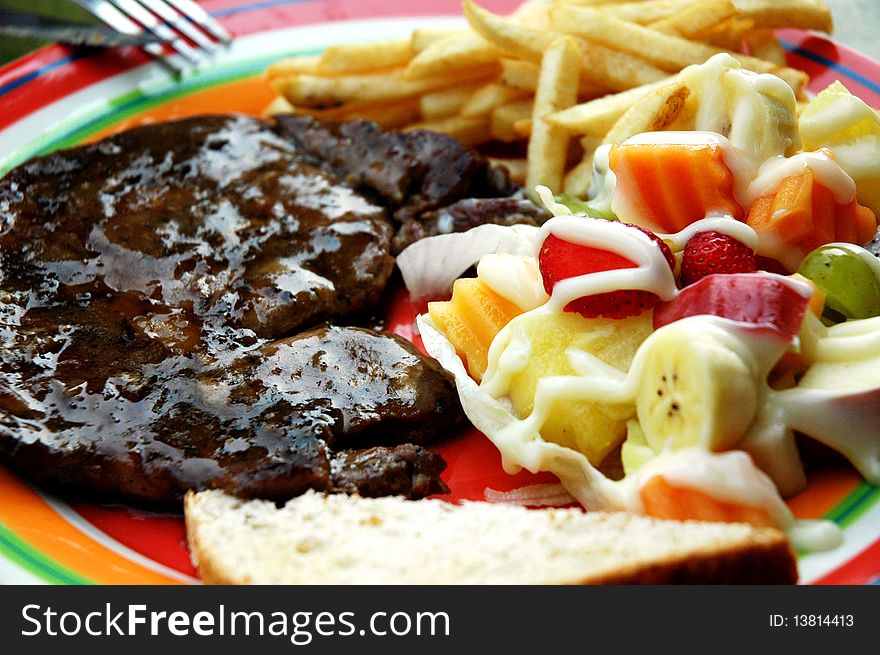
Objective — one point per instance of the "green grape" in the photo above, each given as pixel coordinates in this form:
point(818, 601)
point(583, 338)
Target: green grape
point(849, 275)
point(579, 206)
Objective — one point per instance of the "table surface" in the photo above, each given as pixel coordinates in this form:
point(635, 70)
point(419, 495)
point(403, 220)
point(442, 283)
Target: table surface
point(857, 24)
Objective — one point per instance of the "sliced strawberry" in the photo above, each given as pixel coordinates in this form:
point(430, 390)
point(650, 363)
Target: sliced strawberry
point(711, 252)
point(561, 260)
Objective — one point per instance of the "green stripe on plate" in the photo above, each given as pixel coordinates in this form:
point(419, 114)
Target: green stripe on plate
point(859, 500)
point(19, 551)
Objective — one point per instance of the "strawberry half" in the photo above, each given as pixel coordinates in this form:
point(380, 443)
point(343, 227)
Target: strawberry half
point(711, 252)
point(560, 260)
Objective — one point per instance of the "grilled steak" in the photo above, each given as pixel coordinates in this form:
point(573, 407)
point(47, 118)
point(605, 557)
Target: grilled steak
point(150, 286)
point(266, 424)
point(411, 172)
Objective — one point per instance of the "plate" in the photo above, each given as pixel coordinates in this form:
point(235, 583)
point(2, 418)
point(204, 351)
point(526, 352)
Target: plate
point(56, 97)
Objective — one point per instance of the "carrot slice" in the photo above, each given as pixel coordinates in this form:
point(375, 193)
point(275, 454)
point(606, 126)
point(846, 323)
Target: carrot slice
point(667, 186)
point(664, 500)
point(471, 320)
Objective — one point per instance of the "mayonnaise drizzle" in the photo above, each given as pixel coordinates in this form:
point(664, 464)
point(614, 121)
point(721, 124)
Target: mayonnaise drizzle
point(515, 278)
point(825, 170)
point(724, 224)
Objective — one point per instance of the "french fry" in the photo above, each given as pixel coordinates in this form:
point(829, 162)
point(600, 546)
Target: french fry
point(533, 13)
point(642, 13)
point(578, 179)
point(606, 67)
point(490, 96)
point(557, 90)
point(596, 117)
point(361, 57)
point(801, 14)
point(470, 130)
point(446, 102)
point(519, 73)
point(695, 18)
point(508, 35)
point(523, 127)
point(504, 119)
point(728, 34)
point(293, 66)
point(763, 44)
point(422, 37)
point(447, 56)
point(314, 91)
point(389, 115)
point(663, 50)
point(279, 105)
point(652, 112)
point(522, 74)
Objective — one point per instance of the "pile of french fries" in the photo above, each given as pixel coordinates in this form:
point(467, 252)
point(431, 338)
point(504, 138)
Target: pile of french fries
point(559, 77)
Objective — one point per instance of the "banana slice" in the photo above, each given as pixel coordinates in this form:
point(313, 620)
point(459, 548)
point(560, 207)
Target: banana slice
point(695, 389)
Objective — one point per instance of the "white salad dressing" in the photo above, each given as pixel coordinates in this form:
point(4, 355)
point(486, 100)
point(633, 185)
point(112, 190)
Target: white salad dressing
point(724, 224)
point(515, 278)
point(604, 180)
point(825, 170)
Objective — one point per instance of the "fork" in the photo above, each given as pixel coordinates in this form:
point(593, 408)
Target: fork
point(181, 24)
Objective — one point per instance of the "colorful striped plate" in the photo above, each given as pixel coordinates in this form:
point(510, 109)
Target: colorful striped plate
point(57, 97)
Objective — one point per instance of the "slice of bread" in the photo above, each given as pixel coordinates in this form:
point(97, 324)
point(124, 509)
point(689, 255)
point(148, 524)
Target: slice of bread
point(338, 539)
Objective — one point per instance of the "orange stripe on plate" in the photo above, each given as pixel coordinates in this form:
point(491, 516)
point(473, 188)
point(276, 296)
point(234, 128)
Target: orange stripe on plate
point(27, 514)
point(826, 489)
point(250, 95)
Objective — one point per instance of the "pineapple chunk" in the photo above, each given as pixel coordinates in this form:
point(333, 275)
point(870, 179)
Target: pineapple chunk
point(591, 428)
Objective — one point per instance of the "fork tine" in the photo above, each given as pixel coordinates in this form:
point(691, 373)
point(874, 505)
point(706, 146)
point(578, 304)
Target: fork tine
point(179, 22)
point(201, 18)
point(115, 19)
point(155, 26)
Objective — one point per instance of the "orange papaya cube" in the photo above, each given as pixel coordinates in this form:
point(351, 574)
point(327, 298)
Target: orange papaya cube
point(803, 214)
point(665, 187)
point(866, 223)
point(471, 320)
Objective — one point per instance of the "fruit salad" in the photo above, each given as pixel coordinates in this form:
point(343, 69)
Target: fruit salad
point(659, 343)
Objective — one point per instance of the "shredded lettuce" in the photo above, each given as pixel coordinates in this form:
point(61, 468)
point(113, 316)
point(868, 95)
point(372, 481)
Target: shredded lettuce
point(431, 265)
